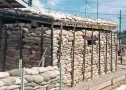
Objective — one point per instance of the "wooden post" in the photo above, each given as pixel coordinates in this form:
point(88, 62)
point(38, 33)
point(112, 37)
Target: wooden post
point(73, 48)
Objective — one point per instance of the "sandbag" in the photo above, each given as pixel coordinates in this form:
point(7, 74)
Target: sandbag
point(37, 79)
point(4, 74)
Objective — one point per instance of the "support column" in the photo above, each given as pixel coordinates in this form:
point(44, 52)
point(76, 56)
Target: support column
point(73, 54)
point(1, 26)
point(5, 49)
point(52, 45)
point(92, 56)
point(99, 53)
point(106, 52)
point(84, 54)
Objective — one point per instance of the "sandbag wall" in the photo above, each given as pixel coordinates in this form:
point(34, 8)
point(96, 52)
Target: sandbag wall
point(35, 79)
point(29, 44)
point(86, 61)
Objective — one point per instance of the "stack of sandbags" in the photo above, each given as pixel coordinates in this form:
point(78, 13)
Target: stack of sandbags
point(31, 45)
point(47, 46)
point(67, 54)
point(13, 45)
point(35, 79)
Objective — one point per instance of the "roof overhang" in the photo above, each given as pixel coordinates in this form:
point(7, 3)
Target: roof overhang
point(14, 3)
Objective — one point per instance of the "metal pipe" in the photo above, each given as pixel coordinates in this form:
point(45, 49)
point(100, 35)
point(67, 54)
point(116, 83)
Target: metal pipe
point(5, 48)
point(22, 78)
point(73, 48)
point(60, 43)
point(106, 54)
point(84, 54)
point(21, 45)
point(92, 56)
point(99, 54)
point(111, 53)
point(51, 44)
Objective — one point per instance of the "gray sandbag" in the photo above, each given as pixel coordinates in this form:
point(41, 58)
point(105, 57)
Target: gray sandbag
point(39, 87)
point(44, 83)
point(57, 85)
point(17, 89)
point(8, 81)
point(28, 88)
point(3, 88)
point(52, 74)
point(15, 72)
point(37, 79)
point(42, 88)
point(50, 86)
point(46, 76)
point(29, 78)
point(55, 88)
point(54, 80)
point(31, 84)
point(12, 87)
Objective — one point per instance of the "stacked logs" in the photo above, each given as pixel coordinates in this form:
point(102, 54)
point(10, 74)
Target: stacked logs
point(35, 79)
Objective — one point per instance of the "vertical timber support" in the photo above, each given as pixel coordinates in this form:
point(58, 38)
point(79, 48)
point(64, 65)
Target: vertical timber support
point(73, 54)
point(111, 53)
point(92, 55)
point(52, 44)
point(42, 31)
point(60, 44)
point(84, 54)
point(106, 53)
point(5, 49)
point(59, 61)
point(99, 62)
point(116, 54)
point(1, 29)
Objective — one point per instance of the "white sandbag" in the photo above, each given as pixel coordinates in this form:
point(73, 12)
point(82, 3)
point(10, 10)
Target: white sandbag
point(37, 79)
point(29, 78)
point(43, 69)
point(1, 84)
point(46, 76)
point(15, 72)
point(3, 88)
point(12, 87)
point(4, 74)
point(31, 71)
point(8, 81)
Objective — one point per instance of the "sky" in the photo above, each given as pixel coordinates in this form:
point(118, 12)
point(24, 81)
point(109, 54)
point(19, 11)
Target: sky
point(108, 9)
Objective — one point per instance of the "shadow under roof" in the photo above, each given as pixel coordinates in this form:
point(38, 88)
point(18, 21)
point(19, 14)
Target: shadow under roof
point(14, 3)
